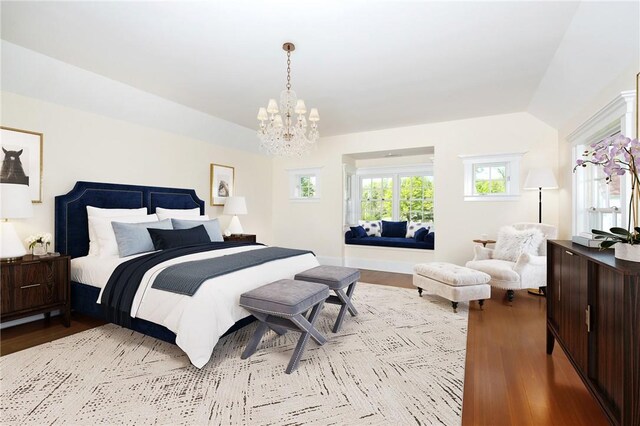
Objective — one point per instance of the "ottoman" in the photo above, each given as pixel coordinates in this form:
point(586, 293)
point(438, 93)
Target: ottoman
point(281, 306)
point(453, 282)
point(337, 278)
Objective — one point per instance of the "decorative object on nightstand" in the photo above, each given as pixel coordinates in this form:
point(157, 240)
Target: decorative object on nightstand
point(15, 203)
point(241, 238)
point(235, 206)
point(39, 243)
point(540, 179)
point(36, 285)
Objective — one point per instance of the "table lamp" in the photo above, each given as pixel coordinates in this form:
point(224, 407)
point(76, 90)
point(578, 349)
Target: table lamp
point(15, 203)
point(235, 206)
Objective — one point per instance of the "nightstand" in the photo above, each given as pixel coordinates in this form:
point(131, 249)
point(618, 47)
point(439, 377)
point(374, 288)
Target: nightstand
point(243, 238)
point(36, 285)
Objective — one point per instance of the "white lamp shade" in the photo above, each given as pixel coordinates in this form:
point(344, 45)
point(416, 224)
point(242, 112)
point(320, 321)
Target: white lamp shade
point(235, 205)
point(313, 115)
point(272, 106)
point(15, 201)
point(540, 178)
point(301, 108)
point(262, 114)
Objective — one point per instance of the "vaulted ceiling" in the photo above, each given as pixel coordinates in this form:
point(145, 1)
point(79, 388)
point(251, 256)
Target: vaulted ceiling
point(365, 65)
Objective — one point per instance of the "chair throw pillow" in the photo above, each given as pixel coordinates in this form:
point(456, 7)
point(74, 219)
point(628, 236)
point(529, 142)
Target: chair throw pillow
point(372, 228)
point(394, 229)
point(358, 231)
point(511, 243)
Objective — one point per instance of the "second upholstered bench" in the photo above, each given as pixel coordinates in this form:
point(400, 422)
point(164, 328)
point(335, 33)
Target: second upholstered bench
point(281, 306)
point(337, 278)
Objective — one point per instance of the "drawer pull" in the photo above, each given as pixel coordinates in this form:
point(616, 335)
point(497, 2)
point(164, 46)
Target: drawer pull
point(29, 286)
point(568, 252)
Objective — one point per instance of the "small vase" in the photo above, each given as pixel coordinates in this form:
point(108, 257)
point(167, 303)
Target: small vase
point(628, 252)
point(38, 250)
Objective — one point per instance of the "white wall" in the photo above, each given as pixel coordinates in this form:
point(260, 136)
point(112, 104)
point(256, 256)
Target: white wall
point(318, 225)
point(80, 145)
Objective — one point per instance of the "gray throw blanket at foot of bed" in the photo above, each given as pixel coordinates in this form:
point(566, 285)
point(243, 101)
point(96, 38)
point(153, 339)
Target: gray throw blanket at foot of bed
point(186, 278)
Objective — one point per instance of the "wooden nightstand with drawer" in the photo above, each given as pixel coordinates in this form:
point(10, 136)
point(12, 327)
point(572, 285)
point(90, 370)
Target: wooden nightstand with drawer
point(36, 285)
point(241, 238)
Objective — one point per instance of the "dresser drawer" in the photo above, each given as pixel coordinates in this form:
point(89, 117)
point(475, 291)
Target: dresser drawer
point(36, 273)
point(31, 295)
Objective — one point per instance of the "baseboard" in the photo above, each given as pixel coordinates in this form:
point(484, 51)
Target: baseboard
point(25, 320)
point(330, 260)
point(380, 265)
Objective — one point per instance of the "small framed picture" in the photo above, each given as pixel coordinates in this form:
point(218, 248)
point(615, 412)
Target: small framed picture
point(222, 180)
point(22, 159)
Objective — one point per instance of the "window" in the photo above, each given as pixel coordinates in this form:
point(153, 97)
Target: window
point(396, 193)
point(376, 198)
point(596, 203)
point(491, 177)
point(416, 198)
point(304, 184)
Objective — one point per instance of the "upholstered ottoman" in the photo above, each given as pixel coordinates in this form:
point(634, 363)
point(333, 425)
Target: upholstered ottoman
point(281, 306)
point(453, 282)
point(337, 278)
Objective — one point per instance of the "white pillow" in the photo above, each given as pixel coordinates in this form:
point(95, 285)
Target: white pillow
point(511, 243)
point(191, 214)
point(100, 212)
point(373, 228)
point(106, 238)
point(412, 227)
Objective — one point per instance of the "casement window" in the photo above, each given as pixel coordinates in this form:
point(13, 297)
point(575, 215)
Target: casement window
point(304, 184)
point(395, 193)
point(492, 177)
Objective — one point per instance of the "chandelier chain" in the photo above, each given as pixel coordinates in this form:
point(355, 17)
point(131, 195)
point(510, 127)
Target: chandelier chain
point(288, 69)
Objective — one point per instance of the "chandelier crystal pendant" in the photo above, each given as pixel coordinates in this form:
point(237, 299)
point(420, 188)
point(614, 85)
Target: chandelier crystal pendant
point(283, 128)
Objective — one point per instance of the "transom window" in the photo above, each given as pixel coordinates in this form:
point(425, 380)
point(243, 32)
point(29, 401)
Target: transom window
point(490, 178)
point(304, 184)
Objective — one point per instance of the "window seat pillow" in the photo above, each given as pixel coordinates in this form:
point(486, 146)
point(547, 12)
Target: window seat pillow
point(394, 229)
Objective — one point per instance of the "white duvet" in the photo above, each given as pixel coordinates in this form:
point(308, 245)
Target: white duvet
point(199, 320)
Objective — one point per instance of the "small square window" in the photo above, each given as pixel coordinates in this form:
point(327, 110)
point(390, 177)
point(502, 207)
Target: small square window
point(491, 177)
point(304, 184)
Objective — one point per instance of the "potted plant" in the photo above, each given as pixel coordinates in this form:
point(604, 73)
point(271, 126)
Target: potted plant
point(618, 155)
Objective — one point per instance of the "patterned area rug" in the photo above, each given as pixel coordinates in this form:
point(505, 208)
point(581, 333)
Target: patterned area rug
point(400, 361)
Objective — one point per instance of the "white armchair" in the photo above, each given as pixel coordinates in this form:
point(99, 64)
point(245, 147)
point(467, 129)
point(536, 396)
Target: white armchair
point(528, 271)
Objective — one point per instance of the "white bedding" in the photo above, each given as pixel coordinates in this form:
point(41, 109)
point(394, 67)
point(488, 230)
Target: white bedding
point(198, 321)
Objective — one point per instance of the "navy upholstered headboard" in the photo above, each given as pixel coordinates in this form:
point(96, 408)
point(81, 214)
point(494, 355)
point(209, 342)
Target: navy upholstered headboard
point(71, 227)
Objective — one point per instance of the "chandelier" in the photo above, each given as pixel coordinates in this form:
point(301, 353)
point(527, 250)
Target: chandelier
point(283, 129)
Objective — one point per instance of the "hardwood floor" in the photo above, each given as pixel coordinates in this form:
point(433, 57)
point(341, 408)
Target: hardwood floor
point(509, 378)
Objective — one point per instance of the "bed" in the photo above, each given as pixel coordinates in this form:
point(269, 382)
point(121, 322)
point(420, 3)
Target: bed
point(194, 323)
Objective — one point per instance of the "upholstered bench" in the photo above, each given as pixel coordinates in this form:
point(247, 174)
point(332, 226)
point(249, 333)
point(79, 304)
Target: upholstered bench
point(337, 278)
point(281, 306)
point(453, 282)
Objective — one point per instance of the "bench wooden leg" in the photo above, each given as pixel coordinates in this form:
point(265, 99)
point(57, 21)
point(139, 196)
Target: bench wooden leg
point(255, 341)
point(455, 306)
point(420, 291)
point(308, 330)
point(481, 303)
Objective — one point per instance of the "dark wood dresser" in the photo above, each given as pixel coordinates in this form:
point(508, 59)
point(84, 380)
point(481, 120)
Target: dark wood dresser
point(593, 311)
point(35, 285)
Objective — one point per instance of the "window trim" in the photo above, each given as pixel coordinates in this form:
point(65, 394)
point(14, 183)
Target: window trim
point(294, 179)
point(513, 175)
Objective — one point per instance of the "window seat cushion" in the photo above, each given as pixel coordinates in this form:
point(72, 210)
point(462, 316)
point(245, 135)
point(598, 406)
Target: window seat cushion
point(399, 242)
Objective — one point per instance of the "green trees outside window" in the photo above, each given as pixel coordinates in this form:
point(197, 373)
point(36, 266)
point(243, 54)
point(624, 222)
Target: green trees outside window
point(415, 198)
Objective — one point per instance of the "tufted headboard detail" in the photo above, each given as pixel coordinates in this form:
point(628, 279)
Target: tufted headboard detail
point(71, 223)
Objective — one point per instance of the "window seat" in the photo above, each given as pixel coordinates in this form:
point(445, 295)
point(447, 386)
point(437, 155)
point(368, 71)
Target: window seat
point(428, 244)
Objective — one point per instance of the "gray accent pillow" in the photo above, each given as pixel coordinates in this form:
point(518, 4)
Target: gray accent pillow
point(212, 226)
point(133, 238)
